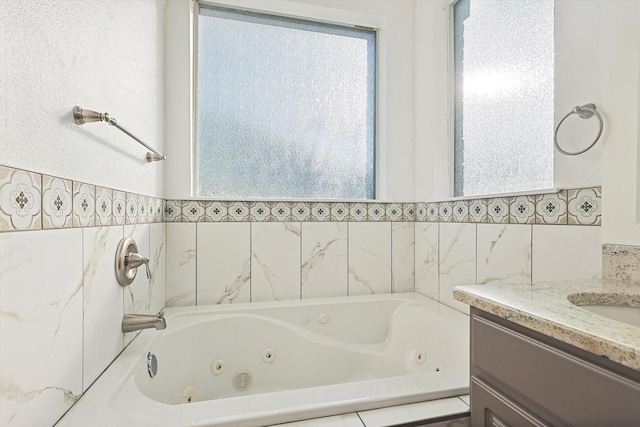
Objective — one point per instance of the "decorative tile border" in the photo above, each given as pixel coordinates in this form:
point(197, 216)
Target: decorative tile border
point(31, 201)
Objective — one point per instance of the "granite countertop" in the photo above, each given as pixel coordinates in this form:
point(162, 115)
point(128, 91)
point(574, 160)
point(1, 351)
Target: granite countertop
point(544, 307)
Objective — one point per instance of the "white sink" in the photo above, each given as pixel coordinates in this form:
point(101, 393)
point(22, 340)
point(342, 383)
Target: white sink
point(629, 315)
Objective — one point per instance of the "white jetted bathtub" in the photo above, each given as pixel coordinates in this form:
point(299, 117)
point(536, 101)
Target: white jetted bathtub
point(267, 363)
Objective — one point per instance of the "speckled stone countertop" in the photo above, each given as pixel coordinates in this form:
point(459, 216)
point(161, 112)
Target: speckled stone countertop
point(544, 307)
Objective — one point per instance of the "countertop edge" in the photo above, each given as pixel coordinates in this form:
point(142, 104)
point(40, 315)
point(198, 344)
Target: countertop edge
point(592, 342)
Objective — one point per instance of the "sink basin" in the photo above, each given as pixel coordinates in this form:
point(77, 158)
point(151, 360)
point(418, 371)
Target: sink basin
point(622, 307)
point(629, 315)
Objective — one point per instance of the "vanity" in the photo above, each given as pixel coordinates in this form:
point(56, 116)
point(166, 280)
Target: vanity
point(541, 356)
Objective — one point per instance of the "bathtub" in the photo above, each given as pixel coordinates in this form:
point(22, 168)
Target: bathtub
point(267, 363)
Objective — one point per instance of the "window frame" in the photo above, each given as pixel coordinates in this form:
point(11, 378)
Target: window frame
point(451, 134)
point(307, 13)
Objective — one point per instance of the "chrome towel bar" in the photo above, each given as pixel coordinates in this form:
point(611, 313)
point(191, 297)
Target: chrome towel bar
point(82, 116)
point(585, 112)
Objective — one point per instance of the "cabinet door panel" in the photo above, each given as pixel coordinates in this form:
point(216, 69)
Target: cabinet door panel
point(489, 408)
point(576, 391)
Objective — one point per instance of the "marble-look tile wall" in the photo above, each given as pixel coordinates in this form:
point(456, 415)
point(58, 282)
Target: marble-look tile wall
point(61, 307)
point(448, 255)
point(226, 262)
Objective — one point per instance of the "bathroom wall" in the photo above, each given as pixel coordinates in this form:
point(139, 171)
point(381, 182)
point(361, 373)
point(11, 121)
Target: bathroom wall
point(104, 55)
point(225, 252)
point(222, 252)
point(69, 193)
point(61, 307)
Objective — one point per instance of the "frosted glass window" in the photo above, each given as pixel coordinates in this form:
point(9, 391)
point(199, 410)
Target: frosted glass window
point(503, 132)
point(285, 109)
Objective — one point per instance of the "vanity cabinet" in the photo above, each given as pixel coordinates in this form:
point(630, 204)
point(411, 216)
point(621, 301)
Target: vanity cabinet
point(520, 377)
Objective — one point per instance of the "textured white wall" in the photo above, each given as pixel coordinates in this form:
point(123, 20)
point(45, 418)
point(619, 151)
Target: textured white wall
point(105, 55)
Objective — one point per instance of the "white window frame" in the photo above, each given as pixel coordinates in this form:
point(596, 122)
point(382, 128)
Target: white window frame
point(309, 13)
point(451, 125)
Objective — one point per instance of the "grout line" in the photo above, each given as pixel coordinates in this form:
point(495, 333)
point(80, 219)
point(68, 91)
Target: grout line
point(195, 296)
point(300, 261)
point(348, 255)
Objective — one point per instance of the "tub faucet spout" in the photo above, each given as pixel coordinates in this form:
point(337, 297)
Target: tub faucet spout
point(136, 322)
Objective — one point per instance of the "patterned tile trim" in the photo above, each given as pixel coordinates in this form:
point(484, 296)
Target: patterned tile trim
point(32, 201)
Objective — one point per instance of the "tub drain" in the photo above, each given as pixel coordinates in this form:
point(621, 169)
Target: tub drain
point(242, 380)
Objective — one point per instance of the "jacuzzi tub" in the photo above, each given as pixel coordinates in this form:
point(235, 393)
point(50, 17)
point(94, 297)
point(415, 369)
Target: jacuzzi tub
point(267, 363)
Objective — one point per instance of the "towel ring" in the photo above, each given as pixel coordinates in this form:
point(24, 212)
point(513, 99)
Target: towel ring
point(585, 112)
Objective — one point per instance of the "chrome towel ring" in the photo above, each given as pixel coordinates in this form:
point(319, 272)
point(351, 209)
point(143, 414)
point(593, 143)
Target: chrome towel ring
point(585, 112)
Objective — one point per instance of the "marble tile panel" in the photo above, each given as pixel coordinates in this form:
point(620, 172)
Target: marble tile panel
point(119, 207)
point(457, 258)
point(275, 261)
point(564, 252)
point(136, 295)
point(103, 301)
point(585, 206)
point(551, 208)
point(224, 263)
point(20, 200)
point(104, 206)
point(522, 210)
point(324, 259)
point(426, 259)
point(57, 202)
point(403, 257)
point(369, 258)
point(40, 325)
point(158, 264)
point(181, 264)
point(504, 253)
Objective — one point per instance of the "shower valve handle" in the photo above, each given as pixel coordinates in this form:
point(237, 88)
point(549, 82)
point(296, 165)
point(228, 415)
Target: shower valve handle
point(135, 260)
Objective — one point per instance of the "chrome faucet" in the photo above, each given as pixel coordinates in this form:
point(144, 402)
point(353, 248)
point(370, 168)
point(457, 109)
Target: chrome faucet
point(136, 322)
